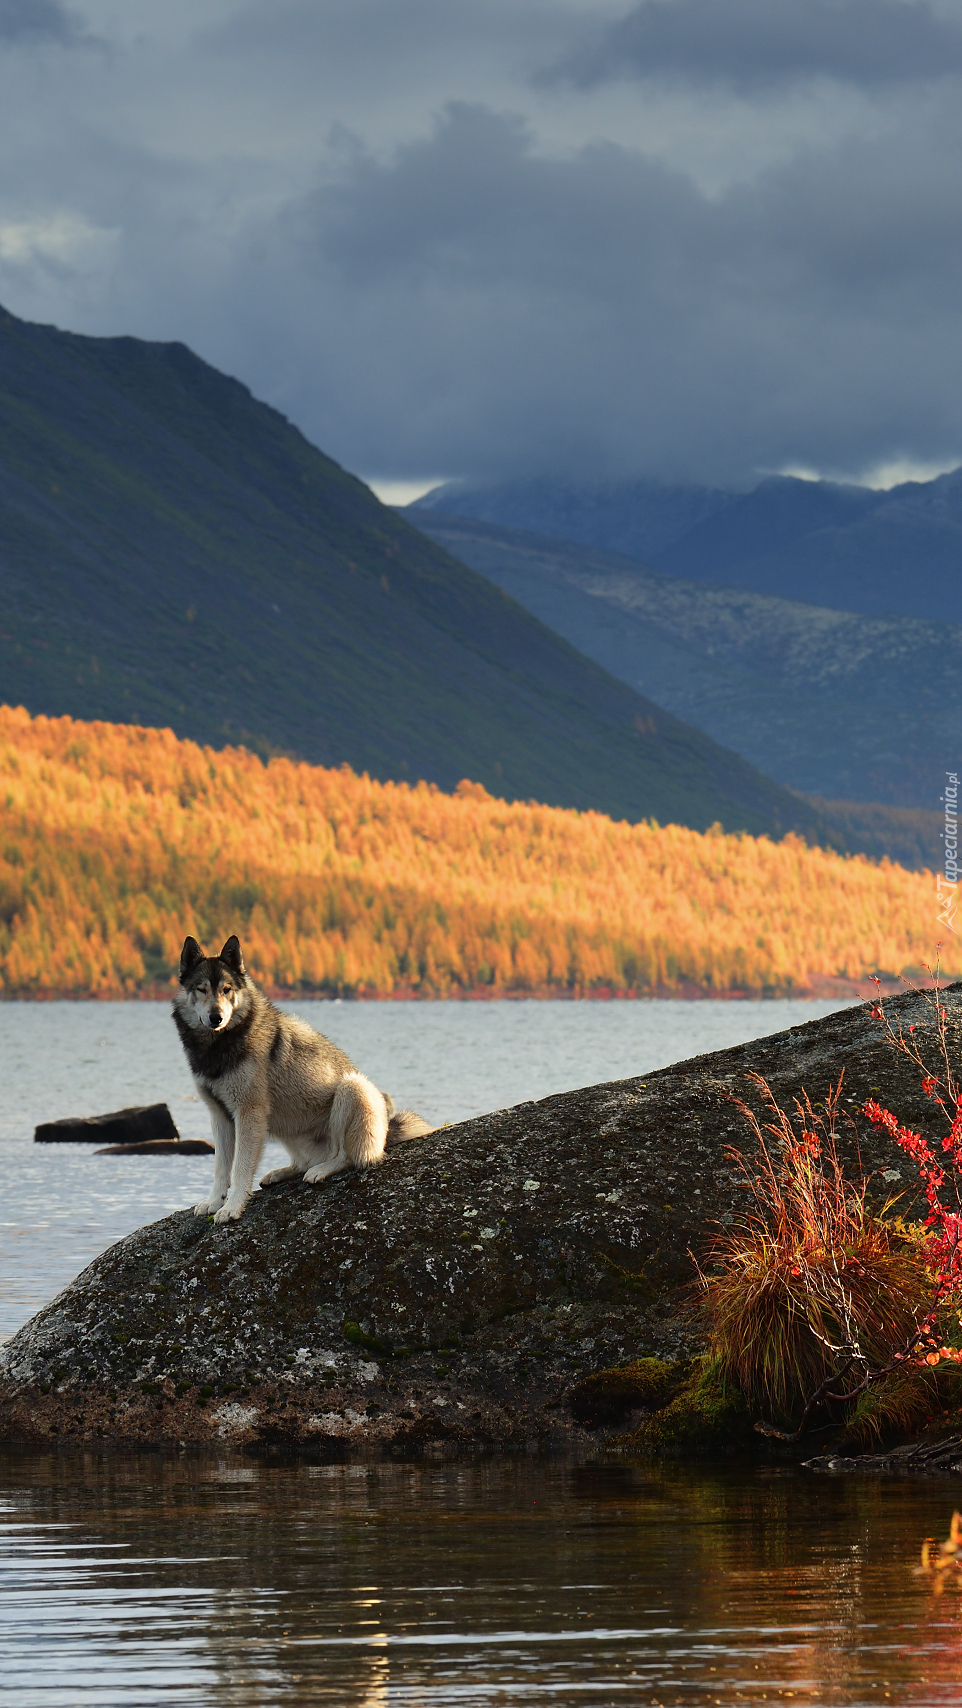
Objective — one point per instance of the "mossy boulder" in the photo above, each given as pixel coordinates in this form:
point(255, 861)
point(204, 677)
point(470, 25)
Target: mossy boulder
point(689, 1406)
point(607, 1397)
point(706, 1415)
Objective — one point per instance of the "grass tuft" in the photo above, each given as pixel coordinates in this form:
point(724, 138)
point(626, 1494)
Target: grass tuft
point(811, 1272)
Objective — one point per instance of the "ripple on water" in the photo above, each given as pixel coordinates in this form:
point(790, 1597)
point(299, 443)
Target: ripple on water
point(134, 1578)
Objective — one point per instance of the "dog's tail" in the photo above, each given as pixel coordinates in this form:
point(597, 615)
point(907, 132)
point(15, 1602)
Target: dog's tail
point(404, 1124)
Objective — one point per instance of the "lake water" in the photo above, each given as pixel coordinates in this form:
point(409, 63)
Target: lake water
point(190, 1579)
point(129, 1580)
point(62, 1205)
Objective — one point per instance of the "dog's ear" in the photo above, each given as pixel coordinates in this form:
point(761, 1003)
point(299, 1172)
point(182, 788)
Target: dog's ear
point(232, 957)
point(190, 954)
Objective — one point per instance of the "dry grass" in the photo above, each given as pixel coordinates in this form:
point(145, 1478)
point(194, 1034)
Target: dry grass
point(814, 1282)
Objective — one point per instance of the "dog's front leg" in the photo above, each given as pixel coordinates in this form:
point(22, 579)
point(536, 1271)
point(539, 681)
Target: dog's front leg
point(222, 1133)
point(250, 1129)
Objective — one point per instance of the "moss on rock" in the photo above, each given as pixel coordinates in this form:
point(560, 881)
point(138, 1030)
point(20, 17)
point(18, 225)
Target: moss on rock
point(608, 1396)
point(707, 1414)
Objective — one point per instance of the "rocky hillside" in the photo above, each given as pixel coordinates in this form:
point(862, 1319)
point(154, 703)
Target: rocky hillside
point(829, 702)
point(846, 547)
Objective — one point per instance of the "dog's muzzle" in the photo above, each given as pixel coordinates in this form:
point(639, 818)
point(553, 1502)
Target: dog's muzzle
point(217, 1021)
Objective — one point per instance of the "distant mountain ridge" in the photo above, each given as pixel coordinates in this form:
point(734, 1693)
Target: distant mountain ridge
point(842, 547)
point(636, 517)
point(831, 703)
point(173, 552)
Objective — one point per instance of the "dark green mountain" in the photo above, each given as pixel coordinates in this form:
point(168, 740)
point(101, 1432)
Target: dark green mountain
point(173, 552)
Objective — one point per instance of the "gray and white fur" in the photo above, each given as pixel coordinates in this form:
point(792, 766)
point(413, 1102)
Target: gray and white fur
point(262, 1072)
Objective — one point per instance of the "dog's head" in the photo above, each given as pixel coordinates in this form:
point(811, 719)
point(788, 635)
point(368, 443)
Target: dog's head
point(214, 987)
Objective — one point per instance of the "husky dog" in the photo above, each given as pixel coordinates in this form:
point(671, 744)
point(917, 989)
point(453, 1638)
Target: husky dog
point(261, 1071)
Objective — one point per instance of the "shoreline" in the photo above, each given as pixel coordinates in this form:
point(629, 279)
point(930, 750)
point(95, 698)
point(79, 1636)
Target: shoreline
point(815, 990)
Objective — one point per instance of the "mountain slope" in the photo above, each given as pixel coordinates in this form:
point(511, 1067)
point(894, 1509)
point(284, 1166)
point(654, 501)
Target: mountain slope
point(833, 704)
point(173, 552)
point(842, 547)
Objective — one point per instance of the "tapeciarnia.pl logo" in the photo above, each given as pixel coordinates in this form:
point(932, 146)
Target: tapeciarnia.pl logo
point(946, 884)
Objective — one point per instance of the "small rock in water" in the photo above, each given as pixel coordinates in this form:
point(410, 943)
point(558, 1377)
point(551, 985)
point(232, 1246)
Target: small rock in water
point(160, 1147)
point(141, 1125)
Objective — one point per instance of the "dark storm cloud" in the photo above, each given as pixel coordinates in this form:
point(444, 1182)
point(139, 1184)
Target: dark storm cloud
point(753, 44)
point(475, 305)
point(475, 207)
point(37, 20)
point(722, 282)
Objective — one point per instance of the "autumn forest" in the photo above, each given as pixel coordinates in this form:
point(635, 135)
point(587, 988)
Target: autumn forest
point(118, 841)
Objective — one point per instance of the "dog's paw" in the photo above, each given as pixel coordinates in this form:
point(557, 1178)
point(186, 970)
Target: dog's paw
point(202, 1209)
point(230, 1212)
point(276, 1175)
point(322, 1171)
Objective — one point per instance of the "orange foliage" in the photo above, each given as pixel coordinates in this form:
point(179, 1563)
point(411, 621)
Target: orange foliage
point(117, 841)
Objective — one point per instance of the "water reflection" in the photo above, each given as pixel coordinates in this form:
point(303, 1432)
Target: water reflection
point(126, 1580)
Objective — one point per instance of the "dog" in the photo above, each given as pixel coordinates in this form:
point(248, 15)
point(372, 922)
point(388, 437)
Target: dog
point(262, 1072)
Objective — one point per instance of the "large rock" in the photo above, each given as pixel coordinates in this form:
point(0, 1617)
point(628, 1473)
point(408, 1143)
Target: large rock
point(454, 1295)
point(145, 1124)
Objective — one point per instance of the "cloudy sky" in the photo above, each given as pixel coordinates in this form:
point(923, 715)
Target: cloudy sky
point(693, 239)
